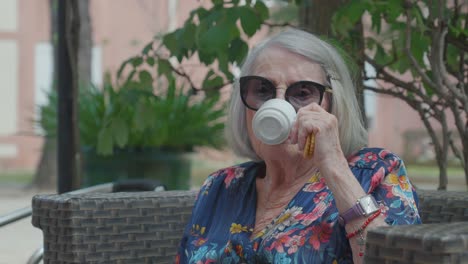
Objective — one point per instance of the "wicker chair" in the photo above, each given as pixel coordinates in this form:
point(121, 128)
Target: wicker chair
point(122, 227)
point(443, 238)
point(145, 227)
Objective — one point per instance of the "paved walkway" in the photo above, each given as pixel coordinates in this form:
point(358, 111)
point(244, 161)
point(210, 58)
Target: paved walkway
point(18, 240)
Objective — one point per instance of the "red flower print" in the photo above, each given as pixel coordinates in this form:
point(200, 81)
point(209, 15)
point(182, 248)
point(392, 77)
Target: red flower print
point(229, 177)
point(294, 243)
point(281, 240)
point(231, 174)
point(315, 186)
point(377, 178)
point(320, 197)
point(320, 234)
point(318, 211)
point(383, 153)
point(255, 246)
point(239, 251)
point(278, 244)
point(369, 156)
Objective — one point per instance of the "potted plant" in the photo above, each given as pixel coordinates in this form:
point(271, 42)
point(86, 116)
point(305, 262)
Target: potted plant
point(136, 131)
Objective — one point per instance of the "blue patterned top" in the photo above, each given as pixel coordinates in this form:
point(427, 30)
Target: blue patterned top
point(307, 230)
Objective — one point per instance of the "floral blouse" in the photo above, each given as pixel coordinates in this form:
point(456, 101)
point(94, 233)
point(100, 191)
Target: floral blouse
point(307, 230)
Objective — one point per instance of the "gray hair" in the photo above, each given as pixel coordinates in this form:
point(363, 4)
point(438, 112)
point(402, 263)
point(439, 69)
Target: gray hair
point(353, 135)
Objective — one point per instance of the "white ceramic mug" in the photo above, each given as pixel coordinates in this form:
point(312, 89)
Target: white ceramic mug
point(273, 121)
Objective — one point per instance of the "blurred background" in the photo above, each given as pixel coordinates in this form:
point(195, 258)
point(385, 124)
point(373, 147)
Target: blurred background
point(151, 80)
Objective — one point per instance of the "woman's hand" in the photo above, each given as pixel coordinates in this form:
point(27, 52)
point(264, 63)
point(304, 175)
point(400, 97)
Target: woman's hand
point(313, 119)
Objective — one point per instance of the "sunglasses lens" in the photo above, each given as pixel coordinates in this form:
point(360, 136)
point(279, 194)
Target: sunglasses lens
point(256, 91)
point(303, 93)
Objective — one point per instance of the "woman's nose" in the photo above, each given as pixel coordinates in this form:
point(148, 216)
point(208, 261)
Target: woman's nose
point(281, 91)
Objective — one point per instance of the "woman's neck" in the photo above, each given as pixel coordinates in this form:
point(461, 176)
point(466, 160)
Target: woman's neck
point(281, 182)
point(283, 174)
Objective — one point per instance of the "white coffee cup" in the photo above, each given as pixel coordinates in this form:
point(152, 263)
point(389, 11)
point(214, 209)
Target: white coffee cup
point(273, 121)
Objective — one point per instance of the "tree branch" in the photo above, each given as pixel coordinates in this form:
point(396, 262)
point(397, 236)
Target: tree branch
point(408, 53)
point(391, 79)
point(440, 39)
point(415, 104)
point(180, 71)
point(456, 151)
point(459, 42)
point(273, 25)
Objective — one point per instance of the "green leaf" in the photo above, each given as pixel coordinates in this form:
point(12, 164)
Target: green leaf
point(171, 43)
point(105, 142)
point(187, 38)
point(147, 48)
point(429, 91)
point(143, 116)
point(402, 65)
point(346, 17)
point(146, 79)
point(355, 10)
point(206, 58)
point(262, 10)
point(250, 21)
point(120, 130)
point(130, 76)
point(164, 67)
point(122, 67)
point(380, 55)
point(202, 13)
point(393, 9)
point(217, 2)
point(215, 38)
point(212, 80)
point(223, 65)
point(376, 19)
point(136, 61)
point(453, 56)
point(419, 46)
point(150, 61)
point(238, 51)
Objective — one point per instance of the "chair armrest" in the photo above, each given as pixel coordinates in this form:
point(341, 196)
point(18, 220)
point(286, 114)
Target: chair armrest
point(425, 243)
point(137, 227)
point(443, 206)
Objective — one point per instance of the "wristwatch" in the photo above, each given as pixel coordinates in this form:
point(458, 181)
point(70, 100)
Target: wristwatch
point(365, 206)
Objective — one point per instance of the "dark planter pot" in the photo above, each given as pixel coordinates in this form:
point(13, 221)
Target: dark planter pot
point(170, 168)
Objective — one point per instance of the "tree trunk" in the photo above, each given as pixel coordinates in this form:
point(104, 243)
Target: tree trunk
point(442, 160)
point(465, 158)
point(46, 171)
point(316, 17)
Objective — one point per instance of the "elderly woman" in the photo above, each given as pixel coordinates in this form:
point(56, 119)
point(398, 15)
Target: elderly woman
point(284, 206)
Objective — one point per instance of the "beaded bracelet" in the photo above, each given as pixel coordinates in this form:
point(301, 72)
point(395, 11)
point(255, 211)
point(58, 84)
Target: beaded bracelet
point(366, 223)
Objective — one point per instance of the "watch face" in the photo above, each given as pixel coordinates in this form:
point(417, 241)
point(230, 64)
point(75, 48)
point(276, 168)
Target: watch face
point(368, 204)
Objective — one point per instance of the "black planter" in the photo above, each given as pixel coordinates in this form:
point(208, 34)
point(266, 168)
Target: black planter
point(170, 168)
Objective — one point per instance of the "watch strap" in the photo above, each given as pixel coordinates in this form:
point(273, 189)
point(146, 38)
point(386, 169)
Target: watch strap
point(356, 211)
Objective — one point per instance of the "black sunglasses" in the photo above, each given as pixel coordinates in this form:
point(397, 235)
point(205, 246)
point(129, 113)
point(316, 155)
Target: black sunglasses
point(256, 90)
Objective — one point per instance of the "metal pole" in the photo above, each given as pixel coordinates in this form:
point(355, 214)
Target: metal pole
point(36, 256)
point(63, 66)
point(15, 216)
